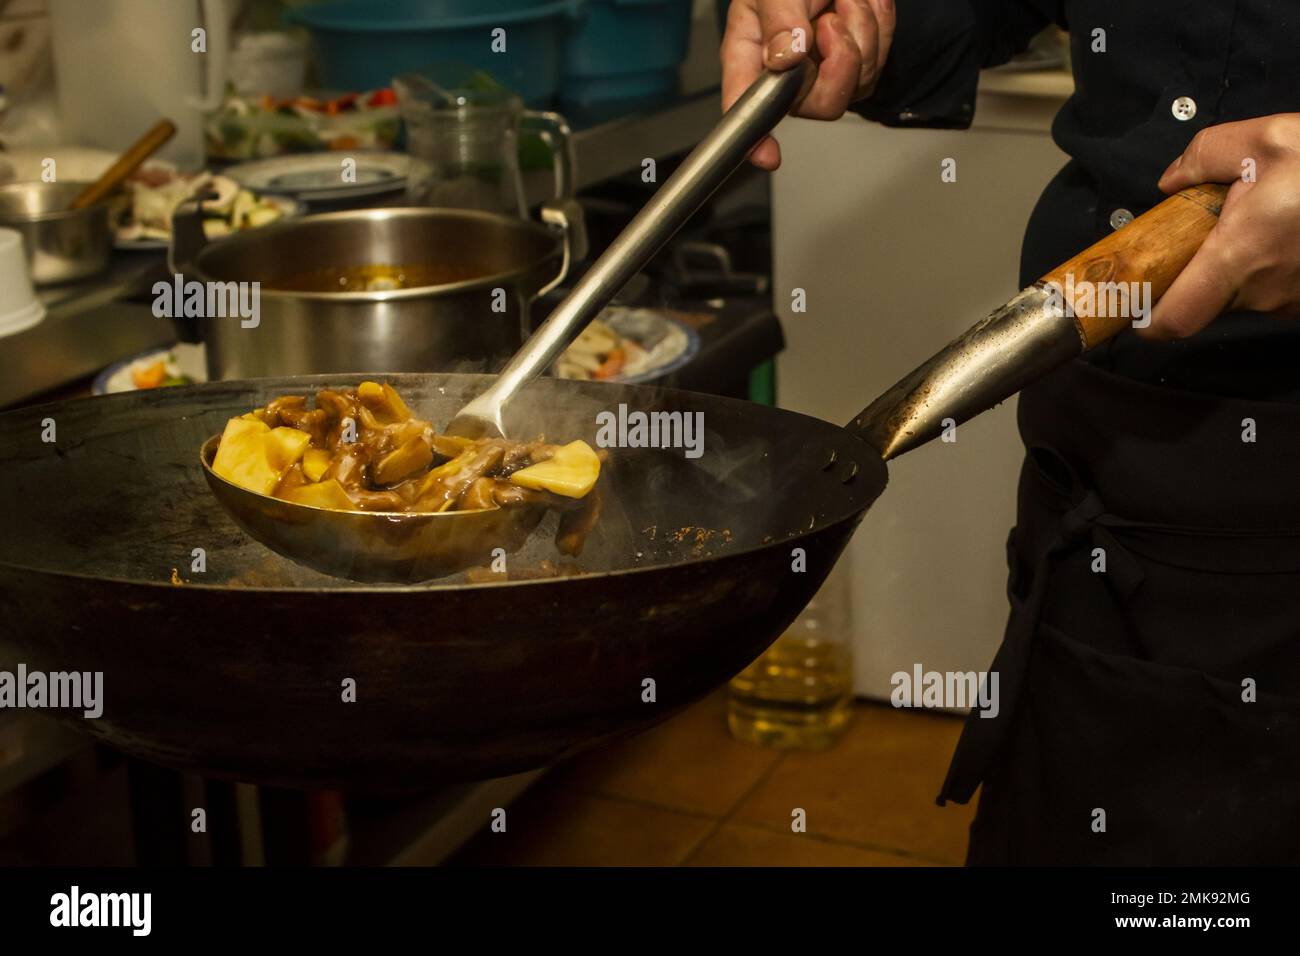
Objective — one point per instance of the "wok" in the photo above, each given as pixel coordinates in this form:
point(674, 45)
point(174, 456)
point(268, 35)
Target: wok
point(238, 672)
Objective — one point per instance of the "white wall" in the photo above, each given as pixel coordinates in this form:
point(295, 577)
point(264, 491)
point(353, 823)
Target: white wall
point(896, 263)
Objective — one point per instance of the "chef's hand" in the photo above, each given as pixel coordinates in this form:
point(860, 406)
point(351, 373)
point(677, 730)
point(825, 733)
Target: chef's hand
point(852, 39)
point(1250, 260)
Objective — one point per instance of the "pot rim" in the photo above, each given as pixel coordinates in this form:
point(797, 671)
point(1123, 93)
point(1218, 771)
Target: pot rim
point(54, 215)
point(555, 236)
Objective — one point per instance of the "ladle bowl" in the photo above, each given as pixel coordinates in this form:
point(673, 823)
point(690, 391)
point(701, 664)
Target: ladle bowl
point(373, 546)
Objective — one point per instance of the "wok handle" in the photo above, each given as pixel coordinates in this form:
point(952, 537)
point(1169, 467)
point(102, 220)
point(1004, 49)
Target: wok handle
point(1042, 327)
point(708, 166)
point(1153, 248)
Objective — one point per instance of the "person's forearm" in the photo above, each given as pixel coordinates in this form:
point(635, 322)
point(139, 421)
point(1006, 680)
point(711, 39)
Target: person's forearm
point(938, 50)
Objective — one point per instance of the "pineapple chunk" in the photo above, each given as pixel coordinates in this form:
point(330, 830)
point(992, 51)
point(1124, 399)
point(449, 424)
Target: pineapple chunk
point(323, 494)
point(572, 472)
point(314, 463)
point(241, 459)
point(255, 456)
point(384, 402)
point(284, 446)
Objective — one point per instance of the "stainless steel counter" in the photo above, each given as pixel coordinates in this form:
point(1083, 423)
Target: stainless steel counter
point(87, 326)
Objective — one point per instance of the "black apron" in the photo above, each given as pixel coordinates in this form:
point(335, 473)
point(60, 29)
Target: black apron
point(1121, 691)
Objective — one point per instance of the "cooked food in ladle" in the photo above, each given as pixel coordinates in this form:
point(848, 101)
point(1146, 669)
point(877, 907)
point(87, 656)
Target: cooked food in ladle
point(363, 450)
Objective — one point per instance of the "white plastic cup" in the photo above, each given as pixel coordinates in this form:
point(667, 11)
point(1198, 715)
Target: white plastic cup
point(19, 307)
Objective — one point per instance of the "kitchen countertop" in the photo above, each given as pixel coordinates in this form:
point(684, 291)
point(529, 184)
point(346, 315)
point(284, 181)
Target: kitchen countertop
point(88, 325)
point(69, 346)
point(91, 324)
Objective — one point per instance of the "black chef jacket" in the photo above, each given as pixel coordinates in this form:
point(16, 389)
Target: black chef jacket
point(1122, 691)
point(1234, 59)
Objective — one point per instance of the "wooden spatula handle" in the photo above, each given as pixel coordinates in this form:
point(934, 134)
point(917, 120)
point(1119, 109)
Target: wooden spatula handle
point(1153, 248)
point(126, 164)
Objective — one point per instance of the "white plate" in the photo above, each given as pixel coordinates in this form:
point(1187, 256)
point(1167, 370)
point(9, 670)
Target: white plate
point(188, 359)
point(668, 342)
point(316, 176)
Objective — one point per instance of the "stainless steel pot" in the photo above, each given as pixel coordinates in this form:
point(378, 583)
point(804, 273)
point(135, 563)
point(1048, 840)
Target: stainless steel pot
point(61, 245)
point(474, 323)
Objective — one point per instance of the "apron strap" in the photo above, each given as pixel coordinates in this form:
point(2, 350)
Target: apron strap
point(1086, 519)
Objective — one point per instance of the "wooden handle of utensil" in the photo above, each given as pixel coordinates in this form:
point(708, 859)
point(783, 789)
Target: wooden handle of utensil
point(1153, 248)
point(126, 164)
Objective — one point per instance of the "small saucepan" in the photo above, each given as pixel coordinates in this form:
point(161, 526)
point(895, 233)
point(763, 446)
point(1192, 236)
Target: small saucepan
point(61, 244)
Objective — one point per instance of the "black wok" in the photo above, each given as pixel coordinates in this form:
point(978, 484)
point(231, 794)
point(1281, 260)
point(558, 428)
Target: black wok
point(695, 567)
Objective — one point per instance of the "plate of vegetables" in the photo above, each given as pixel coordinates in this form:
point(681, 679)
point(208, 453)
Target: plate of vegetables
point(257, 127)
point(154, 193)
point(628, 345)
point(182, 364)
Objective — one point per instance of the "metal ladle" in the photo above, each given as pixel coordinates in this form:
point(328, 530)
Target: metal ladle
point(752, 117)
point(411, 547)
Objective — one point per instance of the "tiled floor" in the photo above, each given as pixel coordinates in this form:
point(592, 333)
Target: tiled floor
point(687, 793)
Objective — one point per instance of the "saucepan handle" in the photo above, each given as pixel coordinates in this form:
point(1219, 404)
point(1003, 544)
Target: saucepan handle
point(1073, 308)
point(187, 241)
point(561, 211)
point(188, 237)
point(565, 215)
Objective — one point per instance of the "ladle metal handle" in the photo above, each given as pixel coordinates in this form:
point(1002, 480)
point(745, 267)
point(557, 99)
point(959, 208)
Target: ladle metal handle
point(757, 112)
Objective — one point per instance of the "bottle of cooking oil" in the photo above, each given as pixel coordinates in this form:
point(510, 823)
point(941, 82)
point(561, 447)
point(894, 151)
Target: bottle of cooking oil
point(799, 693)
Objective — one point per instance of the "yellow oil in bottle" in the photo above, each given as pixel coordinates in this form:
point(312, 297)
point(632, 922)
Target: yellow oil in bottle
point(797, 695)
